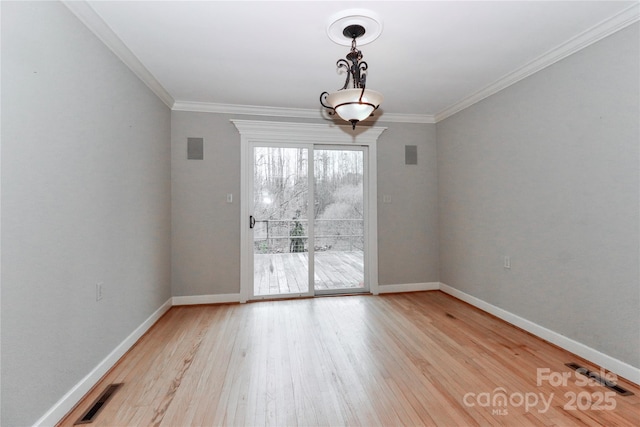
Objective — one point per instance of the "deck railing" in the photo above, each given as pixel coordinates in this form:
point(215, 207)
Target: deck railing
point(291, 235)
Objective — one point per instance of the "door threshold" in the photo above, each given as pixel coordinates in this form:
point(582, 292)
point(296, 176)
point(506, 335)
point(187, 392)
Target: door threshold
point(296, 297)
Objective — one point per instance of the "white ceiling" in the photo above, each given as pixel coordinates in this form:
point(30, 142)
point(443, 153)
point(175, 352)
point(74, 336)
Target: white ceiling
point(432, 58)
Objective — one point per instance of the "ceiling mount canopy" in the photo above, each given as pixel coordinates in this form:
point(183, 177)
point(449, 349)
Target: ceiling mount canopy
point(352, 104)
point(354, 31)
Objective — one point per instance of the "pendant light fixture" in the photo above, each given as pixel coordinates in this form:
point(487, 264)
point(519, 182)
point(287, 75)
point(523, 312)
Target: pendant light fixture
point(356, 103)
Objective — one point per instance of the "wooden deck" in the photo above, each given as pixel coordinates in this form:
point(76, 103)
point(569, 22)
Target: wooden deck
point(276, 274)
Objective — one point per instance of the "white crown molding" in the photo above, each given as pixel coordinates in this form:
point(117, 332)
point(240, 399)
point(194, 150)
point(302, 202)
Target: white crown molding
point(407, 118)
point(250, 110)
point(254, 110)
point(599, 31)
point(90, 18)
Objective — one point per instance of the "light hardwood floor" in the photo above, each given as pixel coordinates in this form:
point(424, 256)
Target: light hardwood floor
point(420, 358)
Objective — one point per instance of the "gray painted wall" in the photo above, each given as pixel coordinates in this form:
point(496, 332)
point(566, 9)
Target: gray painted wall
point(94, 177)
point(408, 250)
point(205, 237)
point(547, 172)
point(85, 198)
point(206, 229)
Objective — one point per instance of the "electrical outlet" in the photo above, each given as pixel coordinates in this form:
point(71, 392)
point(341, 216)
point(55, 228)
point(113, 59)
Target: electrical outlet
point(507, 262)
point(99, 291)
point(386, 198)
point(229, 198)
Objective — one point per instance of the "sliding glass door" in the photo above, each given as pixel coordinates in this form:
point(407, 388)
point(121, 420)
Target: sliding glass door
point(293, 256)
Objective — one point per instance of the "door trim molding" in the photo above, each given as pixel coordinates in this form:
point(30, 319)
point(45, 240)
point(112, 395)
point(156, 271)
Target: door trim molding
point(263, 131)
point(256, 131)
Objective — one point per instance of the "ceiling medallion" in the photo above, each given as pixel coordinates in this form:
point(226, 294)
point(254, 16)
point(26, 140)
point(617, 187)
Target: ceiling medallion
point(367, 19)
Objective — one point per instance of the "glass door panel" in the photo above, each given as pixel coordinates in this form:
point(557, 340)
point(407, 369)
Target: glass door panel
point(281, 228)
point(339, 220)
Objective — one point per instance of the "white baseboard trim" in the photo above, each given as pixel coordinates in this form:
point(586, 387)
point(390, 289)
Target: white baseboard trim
point(607, 362)
point(206, 299)
point(408, 287)
point(73, 396)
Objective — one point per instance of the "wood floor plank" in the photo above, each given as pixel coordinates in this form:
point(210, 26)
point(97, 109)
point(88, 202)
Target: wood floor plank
point(420, 358)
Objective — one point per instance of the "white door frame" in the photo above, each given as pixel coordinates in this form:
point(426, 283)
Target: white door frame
point(253, 131)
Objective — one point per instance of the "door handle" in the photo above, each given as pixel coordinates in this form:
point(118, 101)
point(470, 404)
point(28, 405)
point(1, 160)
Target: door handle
point(252, 221)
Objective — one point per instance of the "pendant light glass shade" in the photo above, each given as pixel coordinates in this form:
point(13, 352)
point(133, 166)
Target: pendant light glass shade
point(354, 105)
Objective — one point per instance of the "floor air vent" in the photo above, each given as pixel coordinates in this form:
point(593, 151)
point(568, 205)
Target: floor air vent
point(100, 402)
point(594, 376)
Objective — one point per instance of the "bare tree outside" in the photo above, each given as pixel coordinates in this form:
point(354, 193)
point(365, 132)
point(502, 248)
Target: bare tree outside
point(280, 200)
point(339, 212)
point(281, 232)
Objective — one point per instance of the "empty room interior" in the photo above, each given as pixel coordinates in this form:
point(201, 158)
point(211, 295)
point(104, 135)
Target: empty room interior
point(320, 213)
